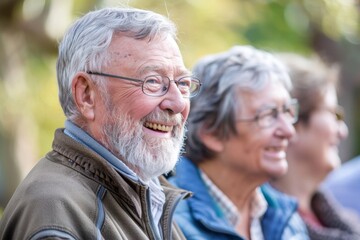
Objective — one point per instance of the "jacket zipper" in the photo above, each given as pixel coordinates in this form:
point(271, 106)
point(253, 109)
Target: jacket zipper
point(172, 208)
point(153, 234)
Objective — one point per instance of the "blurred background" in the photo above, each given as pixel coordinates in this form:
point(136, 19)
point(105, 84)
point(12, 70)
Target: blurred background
point(31, 29)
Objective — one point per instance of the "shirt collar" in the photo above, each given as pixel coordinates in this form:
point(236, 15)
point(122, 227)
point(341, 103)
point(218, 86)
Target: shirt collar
point(83, 137)
point(228, 208)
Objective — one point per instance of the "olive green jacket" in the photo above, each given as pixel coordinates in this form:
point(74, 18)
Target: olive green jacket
point(73, 193)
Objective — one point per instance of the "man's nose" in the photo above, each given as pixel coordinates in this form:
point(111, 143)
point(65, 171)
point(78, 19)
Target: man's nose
point(173, 100)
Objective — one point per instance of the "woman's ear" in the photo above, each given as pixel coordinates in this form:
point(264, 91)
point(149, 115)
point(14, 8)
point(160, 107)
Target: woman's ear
point(211, 141)
point(83, 90)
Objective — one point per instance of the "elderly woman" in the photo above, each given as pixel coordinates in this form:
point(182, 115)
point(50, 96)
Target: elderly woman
point(239, 127)
point(313, 153)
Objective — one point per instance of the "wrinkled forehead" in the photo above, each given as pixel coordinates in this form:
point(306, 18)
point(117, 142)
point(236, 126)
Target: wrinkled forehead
point(145, 54)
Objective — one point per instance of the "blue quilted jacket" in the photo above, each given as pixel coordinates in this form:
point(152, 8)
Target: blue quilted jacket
point(200, 218)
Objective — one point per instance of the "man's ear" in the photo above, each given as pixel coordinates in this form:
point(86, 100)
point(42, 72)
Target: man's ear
point(83, 90)
point(211, 141)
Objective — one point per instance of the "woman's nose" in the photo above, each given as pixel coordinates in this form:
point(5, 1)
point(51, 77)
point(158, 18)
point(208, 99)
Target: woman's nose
point(285, 127)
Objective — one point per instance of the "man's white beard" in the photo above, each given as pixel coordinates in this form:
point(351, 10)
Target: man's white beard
point(148, 157)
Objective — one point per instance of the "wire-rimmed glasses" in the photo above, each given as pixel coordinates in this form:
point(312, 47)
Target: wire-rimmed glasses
point(157, 85)
point(266, 117)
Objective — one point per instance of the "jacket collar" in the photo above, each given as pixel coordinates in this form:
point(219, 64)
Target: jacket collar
point(81, 136)
point(202, 205)
point(79, 157)
point(281, 209)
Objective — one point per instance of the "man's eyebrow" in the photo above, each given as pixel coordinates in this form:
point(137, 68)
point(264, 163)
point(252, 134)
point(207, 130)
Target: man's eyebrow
point(181, 72)
point(185, 72)
point(149, 68)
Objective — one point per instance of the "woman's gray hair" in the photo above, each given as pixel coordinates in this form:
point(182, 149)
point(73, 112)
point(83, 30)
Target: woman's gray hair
point(84, 46)
point(225, 76)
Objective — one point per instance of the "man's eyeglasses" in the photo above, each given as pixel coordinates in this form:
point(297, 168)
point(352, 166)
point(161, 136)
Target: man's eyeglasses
point(268, 116)
point(157, 86)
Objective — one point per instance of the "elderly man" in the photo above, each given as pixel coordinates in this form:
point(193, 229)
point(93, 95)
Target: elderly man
point(125, 92)
point(239, 128)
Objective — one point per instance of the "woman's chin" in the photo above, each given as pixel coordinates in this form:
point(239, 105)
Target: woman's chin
point(275, 169)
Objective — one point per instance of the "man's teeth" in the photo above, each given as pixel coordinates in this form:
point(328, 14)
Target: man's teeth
point(160, 127)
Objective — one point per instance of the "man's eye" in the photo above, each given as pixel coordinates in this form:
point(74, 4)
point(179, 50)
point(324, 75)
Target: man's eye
point(184, 83)
point(153, 80)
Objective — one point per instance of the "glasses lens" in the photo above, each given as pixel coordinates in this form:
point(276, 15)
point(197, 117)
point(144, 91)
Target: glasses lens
point(155, 85)
point(294, 110)
point(267, 117)
point(194, 87)
point(185, 86)
point(291, 111)
point(188, 86)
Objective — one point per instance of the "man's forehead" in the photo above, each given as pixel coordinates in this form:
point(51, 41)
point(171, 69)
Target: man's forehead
point(180, 70)
point(119, 54)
